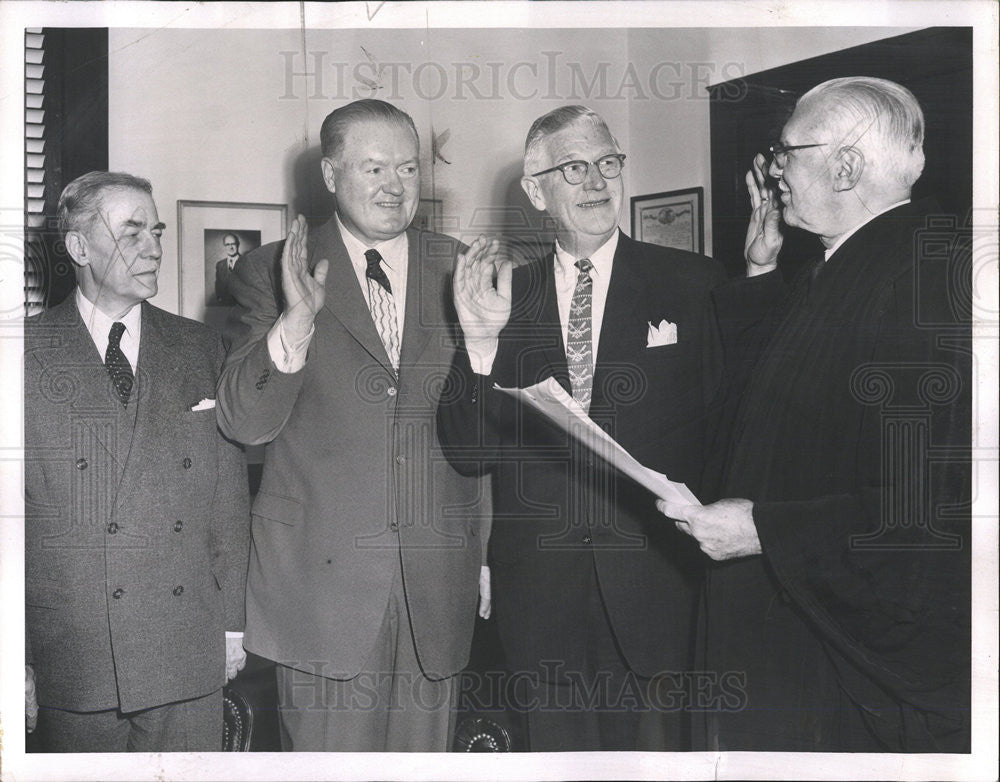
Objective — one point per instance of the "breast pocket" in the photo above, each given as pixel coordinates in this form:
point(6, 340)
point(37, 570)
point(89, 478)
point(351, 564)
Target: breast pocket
point(667, 361)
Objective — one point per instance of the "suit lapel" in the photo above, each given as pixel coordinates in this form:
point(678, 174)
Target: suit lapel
point(421, 292)
point(79, 351)
point(622, 328)
point(159, 375)
point(344, 298)
point(76, 357)
point(542, 316)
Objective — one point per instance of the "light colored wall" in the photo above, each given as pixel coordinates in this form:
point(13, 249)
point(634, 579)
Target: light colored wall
point(223, 115)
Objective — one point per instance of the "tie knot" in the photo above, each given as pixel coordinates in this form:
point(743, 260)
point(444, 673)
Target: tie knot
point(375, 272)
point(584, 265)
point(374, 258)
point(115, 335)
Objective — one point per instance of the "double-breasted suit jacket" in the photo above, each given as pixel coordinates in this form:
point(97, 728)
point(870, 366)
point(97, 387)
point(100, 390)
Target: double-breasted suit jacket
point(137, 518)
point(354, 479)
point(559, 510)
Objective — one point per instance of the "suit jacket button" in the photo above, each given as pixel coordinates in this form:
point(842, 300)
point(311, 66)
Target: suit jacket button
point(394, 525)
point(391, 391)
point(112, 528)
point(178, 526)
point(81, 464)
point(586, 539)
point(400, 459)
point(117, 594)
point(186, 463)
point(178, 591)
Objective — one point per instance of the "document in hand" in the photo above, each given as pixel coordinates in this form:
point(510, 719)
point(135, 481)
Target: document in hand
point(552, 400)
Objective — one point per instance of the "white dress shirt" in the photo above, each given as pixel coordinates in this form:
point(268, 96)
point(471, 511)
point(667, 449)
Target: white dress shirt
point(99, 326)
point(395, 254)
point(565, 273)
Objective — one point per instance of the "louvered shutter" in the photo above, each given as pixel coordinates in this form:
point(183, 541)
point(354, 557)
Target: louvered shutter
point(34, 171)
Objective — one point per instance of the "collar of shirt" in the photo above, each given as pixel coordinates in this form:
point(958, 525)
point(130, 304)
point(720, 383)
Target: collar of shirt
point(99, 325)
point(830, 251)
point(231, 261)
point(395, 256)
point(566, 274)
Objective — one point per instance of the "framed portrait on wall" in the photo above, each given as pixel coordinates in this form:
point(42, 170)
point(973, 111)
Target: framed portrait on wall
point(212, 238)
point(674, 218)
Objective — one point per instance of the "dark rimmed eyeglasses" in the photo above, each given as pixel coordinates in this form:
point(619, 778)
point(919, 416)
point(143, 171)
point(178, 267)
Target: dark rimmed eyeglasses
point(576, 171)
point(779, 152)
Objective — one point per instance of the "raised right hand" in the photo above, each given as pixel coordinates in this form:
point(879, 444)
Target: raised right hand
point(764, 237)
point(483, 304)
point(304, 292)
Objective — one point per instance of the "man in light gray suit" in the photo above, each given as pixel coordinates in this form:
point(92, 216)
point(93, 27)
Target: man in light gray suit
point(366, 541)
point(137, 525)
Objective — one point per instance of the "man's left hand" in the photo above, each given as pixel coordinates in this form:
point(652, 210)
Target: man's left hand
point(724, 529)
point(236, 657)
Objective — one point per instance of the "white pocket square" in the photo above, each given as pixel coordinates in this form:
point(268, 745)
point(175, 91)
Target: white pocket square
point(664, 334)
point(204, 404)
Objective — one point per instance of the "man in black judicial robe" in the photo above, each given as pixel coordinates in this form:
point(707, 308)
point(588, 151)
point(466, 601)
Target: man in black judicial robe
point(841, 594)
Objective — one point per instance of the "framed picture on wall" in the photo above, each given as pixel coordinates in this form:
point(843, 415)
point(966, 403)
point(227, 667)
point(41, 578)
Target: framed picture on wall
point(212, 237)
point(671, 219)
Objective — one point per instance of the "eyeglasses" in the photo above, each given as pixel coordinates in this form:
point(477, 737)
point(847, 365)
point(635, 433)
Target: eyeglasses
point(780, 151)
point(576, 171)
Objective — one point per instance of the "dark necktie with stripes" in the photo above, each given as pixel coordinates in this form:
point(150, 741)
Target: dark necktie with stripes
point(579, 336)
point(116, 363)
point(382, 305)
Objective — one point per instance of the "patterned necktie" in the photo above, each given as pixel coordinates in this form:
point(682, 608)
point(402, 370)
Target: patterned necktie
point(579, 336)
point(382, 306)
point(117, 365)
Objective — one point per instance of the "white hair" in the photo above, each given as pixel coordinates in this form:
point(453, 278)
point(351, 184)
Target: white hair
point(879, 117)
point(551, 123)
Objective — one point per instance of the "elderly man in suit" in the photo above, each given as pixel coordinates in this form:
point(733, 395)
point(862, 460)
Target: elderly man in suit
point(593, 594)
point(366, 543)
point(137, 518)
point(841, 584)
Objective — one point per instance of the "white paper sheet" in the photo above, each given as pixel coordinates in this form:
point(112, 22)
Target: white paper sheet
point(551, 400)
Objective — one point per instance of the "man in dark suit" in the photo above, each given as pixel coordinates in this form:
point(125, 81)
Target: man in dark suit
point(224, 269)
point(366, 542)
point(137, 519)
point(841, 589)
point(593, 594)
